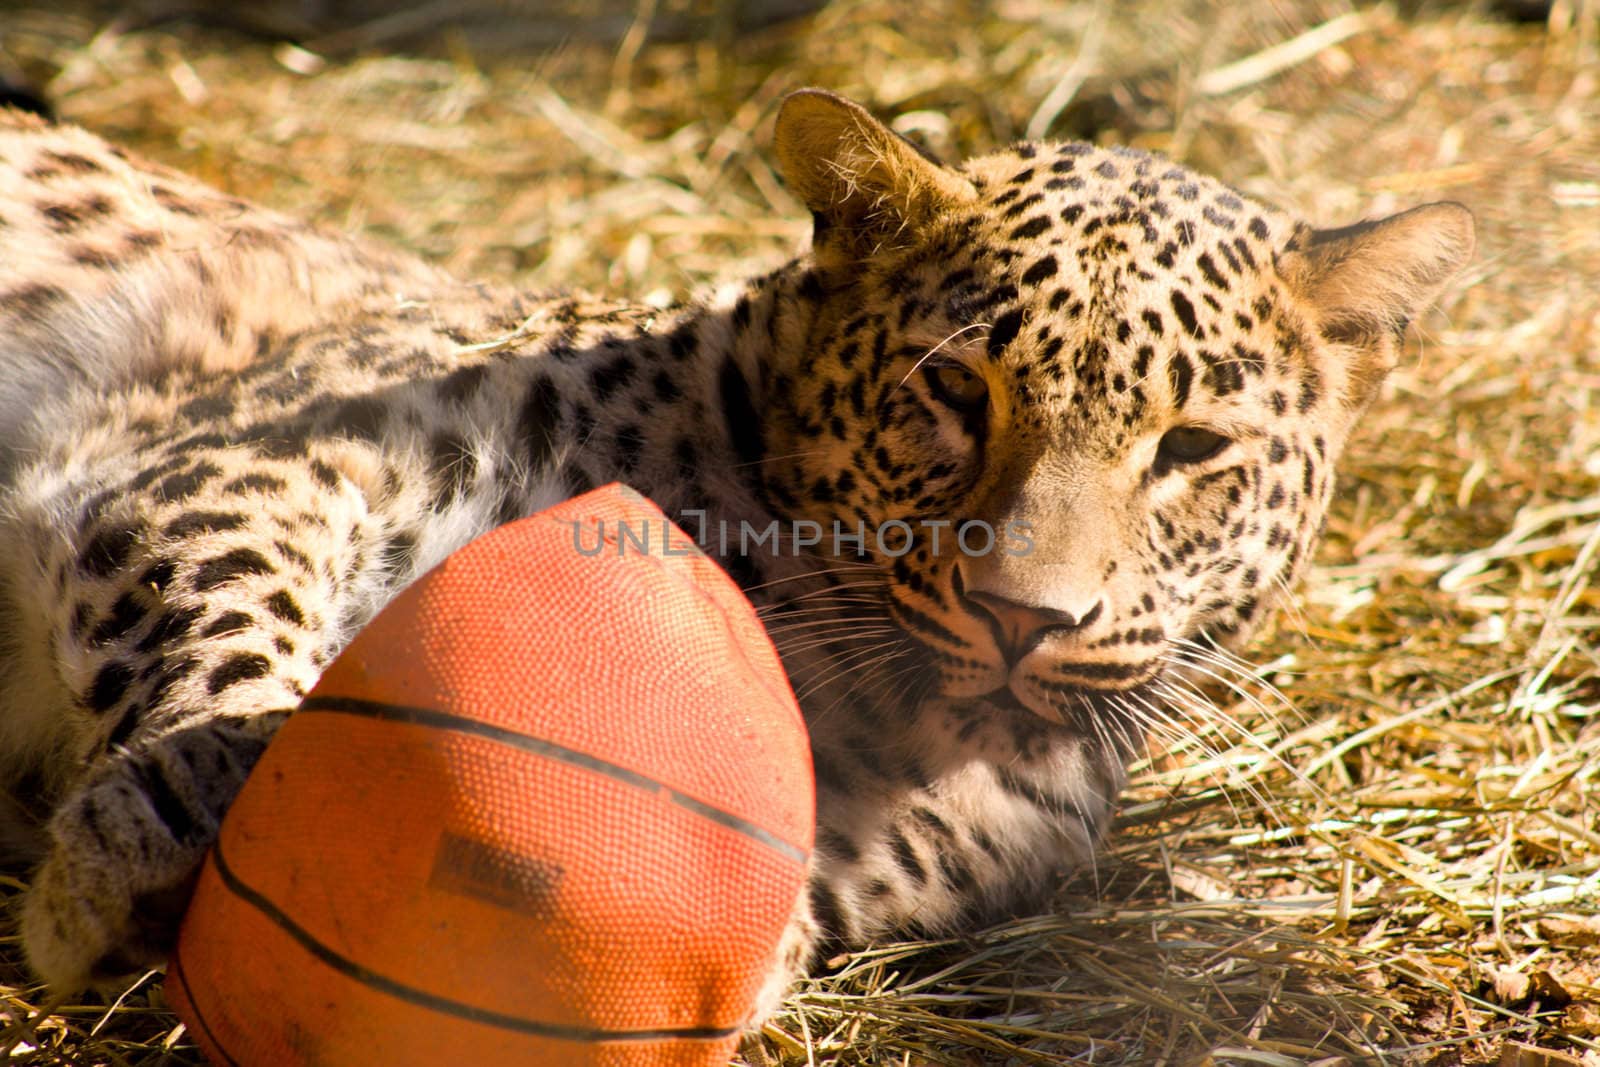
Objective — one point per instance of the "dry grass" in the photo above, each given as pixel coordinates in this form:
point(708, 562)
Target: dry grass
point(1399, 862)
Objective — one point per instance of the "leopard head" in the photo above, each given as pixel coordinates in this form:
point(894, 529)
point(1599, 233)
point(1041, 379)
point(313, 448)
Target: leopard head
point(1084, 403)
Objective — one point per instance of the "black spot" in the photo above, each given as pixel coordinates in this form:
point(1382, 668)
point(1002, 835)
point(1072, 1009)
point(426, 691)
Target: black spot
point(1308, 393)
point(832, 843)
point(931, 820)
point(744, 425)
point(582, 422)
point(1044, 268)
point(205, 439)
point(1223, 376)
point(206, 407)
point(1185, 313)
point(687, 455)
point(72, 161)
point(111, 681)
point(906, 858)
point(107, 551)
point(169, 626)
point(186, 483)
point(62, 218)
point(1232, 259)
point(1020, 205)
point(362, 418)
point(98, 258)
point(454, 464)
point(629, 444)
point(173, 202)
point(399, 554)
point(1209, 268)
point(1032, 228)
point(201, 522)
point(168, 674)
point(164, 801)
point(325, 474)
point(955, 873)
point(1004, 331)
point(237, 563)
point(541, 422)
point(158, 575)
point(229, 622)
point(283, 605)
point(682, 343)
point(285, 388)
point(610, 377)
point(125, 614)
point(257, 482)
point(126, 724)
point(825, 911)
point(1181, 373)
point(665, 388)
point(239, 667)
point(459, 386)
point(293, 555)
point(31, 302)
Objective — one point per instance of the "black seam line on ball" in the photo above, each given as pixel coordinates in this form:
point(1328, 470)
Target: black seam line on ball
point(440, 720)
point(175, 971)
point(433, 1002)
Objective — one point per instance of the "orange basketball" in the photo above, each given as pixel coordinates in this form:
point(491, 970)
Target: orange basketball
point(552, 806)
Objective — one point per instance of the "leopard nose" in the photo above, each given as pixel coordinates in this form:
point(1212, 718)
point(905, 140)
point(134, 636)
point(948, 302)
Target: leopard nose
point(1019, 627)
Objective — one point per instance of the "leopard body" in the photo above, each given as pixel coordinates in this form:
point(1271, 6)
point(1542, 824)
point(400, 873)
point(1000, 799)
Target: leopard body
point(228, 438)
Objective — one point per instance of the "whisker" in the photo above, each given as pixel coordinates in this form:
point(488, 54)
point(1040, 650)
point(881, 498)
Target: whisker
point(822, 623)
point(803, 454)
point(930, 353)
point(842, 665)
point(841, 567)
point(857, 634)
point(1241, 736)
point(870, 684)
point(1199, 661)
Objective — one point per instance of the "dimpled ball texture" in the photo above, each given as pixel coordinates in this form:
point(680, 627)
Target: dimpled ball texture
point(552, 806)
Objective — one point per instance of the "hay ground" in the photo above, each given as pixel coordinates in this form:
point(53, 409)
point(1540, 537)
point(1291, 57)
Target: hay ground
point(1398, 861)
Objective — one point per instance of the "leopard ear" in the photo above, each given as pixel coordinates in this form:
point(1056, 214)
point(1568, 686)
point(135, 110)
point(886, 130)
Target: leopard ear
point(863, 182)
point(1363, 284)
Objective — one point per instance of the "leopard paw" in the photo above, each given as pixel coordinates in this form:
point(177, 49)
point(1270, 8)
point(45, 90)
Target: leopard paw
point(125, 849)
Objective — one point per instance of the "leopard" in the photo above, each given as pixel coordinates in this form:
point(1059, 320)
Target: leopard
point(1117, 387)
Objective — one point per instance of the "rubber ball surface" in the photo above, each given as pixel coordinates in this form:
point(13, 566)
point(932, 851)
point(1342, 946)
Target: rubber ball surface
point(552, 806)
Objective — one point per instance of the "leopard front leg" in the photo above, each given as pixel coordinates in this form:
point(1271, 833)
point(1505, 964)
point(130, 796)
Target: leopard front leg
point(125, 847)
point(182, 626)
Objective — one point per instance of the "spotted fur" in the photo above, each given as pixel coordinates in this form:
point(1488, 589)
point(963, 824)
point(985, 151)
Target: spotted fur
point(230, 438)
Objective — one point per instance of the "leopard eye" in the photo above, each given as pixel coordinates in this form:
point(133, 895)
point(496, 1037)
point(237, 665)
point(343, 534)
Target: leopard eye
point(957, 387)
point(1190, 444)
